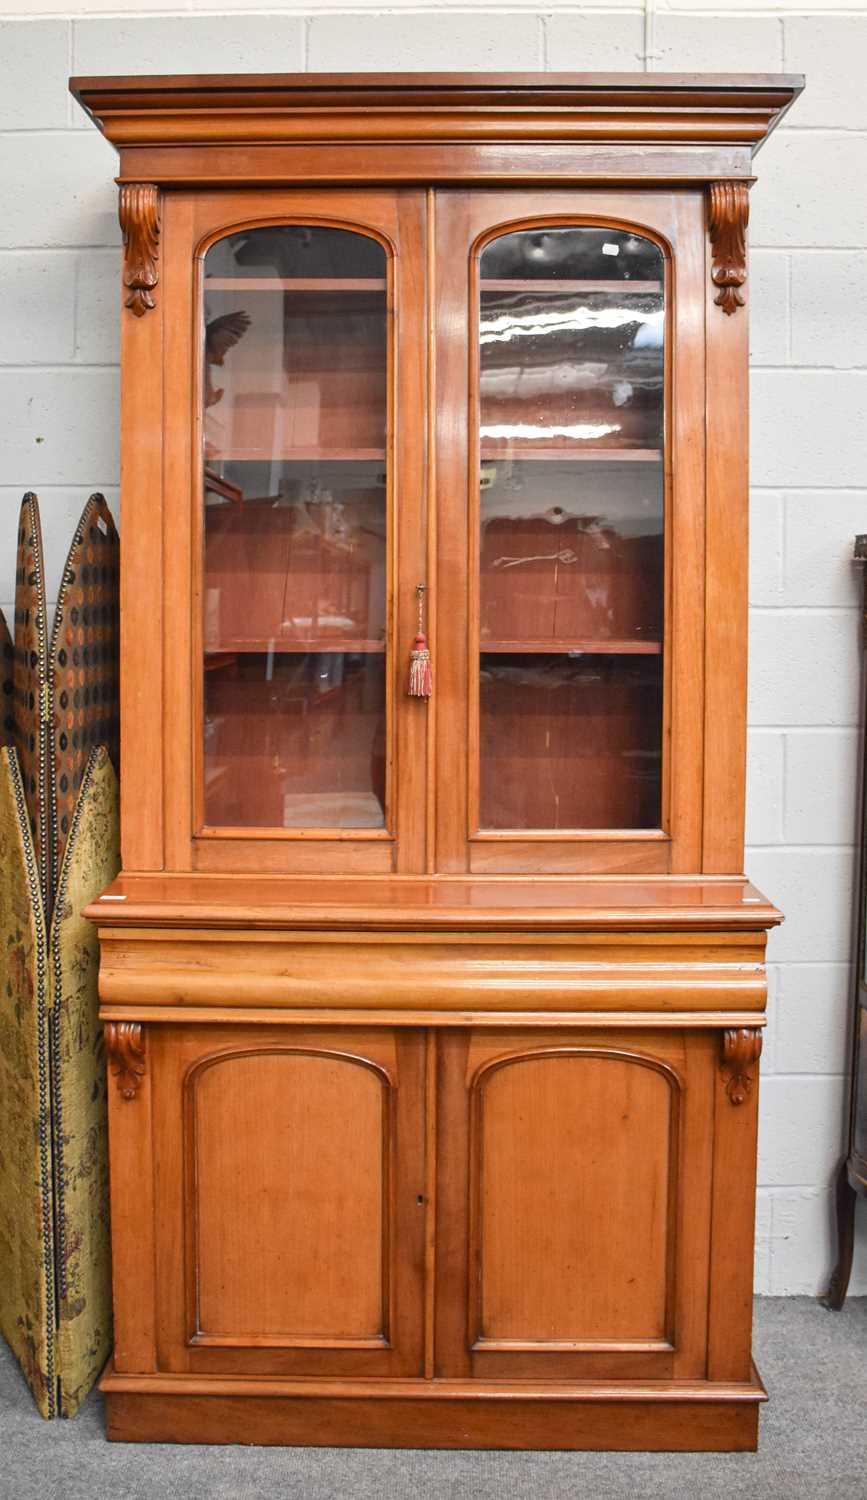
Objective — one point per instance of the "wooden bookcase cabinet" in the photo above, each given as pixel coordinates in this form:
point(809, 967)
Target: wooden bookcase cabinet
point(434, 1021)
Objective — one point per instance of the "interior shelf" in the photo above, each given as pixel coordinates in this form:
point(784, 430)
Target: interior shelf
point(378, 284)
point(530, 284)
point(295, 283)
point(296, 455)
point(561, 648)
point(285, 647)
point(491, 449)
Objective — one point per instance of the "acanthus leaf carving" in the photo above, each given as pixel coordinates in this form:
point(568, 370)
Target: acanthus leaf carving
point(124, 1041)
point(728, 213)
point(742, 1047)
point(139, 214)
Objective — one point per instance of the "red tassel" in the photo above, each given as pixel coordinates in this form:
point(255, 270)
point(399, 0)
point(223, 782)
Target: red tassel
point(420, 669)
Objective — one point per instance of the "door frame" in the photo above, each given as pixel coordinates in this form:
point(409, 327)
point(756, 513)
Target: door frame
point(192, 222)
point(465, 222)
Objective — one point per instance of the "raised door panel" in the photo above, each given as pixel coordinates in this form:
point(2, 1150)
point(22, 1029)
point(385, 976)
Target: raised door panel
point(584, 1162)
point(289, 1233)
point(531, 1117)
point(290, 1181)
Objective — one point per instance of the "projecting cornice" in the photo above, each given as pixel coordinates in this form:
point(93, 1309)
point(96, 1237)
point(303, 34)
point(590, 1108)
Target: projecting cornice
point(439, 108)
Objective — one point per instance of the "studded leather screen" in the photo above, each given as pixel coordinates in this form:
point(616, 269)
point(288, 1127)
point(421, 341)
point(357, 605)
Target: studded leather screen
point(31, 729)
point(7, 684)
point(84, 659)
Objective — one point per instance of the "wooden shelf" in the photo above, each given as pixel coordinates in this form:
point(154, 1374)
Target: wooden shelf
point(297, 455)
point(330, 644)
point(488, 452)
point(509, 284)
point(379, 284)
point(294, 284)
point(562, 648)
point(530, 450)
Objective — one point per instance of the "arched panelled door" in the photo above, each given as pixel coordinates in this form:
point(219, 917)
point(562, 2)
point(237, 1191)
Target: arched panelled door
point(392, 388)
point(559, 522)
point(306, 474)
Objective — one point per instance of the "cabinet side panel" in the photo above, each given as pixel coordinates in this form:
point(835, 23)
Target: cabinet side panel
point(727, 560)
point(141, 584)
point(131, 1164)
point(733, 1221)
point(685, 663)
point(178, 524)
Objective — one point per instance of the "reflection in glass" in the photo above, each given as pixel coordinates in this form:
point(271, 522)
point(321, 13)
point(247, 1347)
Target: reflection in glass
point(295, 544)
point(571, 557)
point(569, 741)
point(571, 553)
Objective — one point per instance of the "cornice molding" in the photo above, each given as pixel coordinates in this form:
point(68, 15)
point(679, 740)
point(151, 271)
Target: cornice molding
point(630, 108)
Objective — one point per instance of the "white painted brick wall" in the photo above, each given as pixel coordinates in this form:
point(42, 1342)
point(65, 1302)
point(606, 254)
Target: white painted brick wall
point(424, 41)
point(584, 43)
point(808, 295)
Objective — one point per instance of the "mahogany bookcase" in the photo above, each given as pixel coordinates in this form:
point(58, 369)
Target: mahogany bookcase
point(434, 1015)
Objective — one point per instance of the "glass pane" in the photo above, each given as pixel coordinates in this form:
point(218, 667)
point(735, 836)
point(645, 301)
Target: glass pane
point(295, 544)
point(571, 547)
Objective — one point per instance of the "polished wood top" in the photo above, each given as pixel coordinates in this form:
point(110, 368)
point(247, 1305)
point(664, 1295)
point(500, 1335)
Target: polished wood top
point(506, 107)
point(442, 903)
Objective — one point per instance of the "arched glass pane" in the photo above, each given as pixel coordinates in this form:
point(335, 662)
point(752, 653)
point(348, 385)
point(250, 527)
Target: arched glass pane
point(295, 351)
point(571, 587)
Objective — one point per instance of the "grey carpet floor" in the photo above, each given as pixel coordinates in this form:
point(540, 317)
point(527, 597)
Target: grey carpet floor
point(813, 1445)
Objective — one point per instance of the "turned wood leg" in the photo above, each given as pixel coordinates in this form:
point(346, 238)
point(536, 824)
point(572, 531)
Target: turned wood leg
point(845, 1204)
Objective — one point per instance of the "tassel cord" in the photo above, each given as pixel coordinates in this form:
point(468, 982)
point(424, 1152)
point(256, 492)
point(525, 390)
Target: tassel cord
point(420, 668)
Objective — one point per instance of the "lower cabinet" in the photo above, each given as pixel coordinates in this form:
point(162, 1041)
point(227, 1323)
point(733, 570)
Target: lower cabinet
point(464, 1203)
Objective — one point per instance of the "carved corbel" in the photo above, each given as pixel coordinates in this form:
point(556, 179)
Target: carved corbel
point(728, 212)
point(124, 1041)
point(741, 1049)
point(139, 214)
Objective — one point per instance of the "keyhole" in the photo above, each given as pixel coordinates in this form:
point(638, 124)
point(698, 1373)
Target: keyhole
point(420, 1200)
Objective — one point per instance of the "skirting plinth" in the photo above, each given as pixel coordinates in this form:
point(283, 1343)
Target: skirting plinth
point(665, 1416)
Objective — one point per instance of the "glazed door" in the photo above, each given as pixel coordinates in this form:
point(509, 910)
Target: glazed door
point(574, 1204)
point(295, 530)
point(570, 494)
point(288, 1168)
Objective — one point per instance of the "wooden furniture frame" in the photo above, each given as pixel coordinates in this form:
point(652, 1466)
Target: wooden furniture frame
point(395, 1106)
point(852, 1172)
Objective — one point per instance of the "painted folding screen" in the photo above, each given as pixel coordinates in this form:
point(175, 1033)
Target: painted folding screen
point(58, 849)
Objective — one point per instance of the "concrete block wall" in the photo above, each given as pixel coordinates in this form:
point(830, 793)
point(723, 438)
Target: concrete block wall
point(808, 303)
